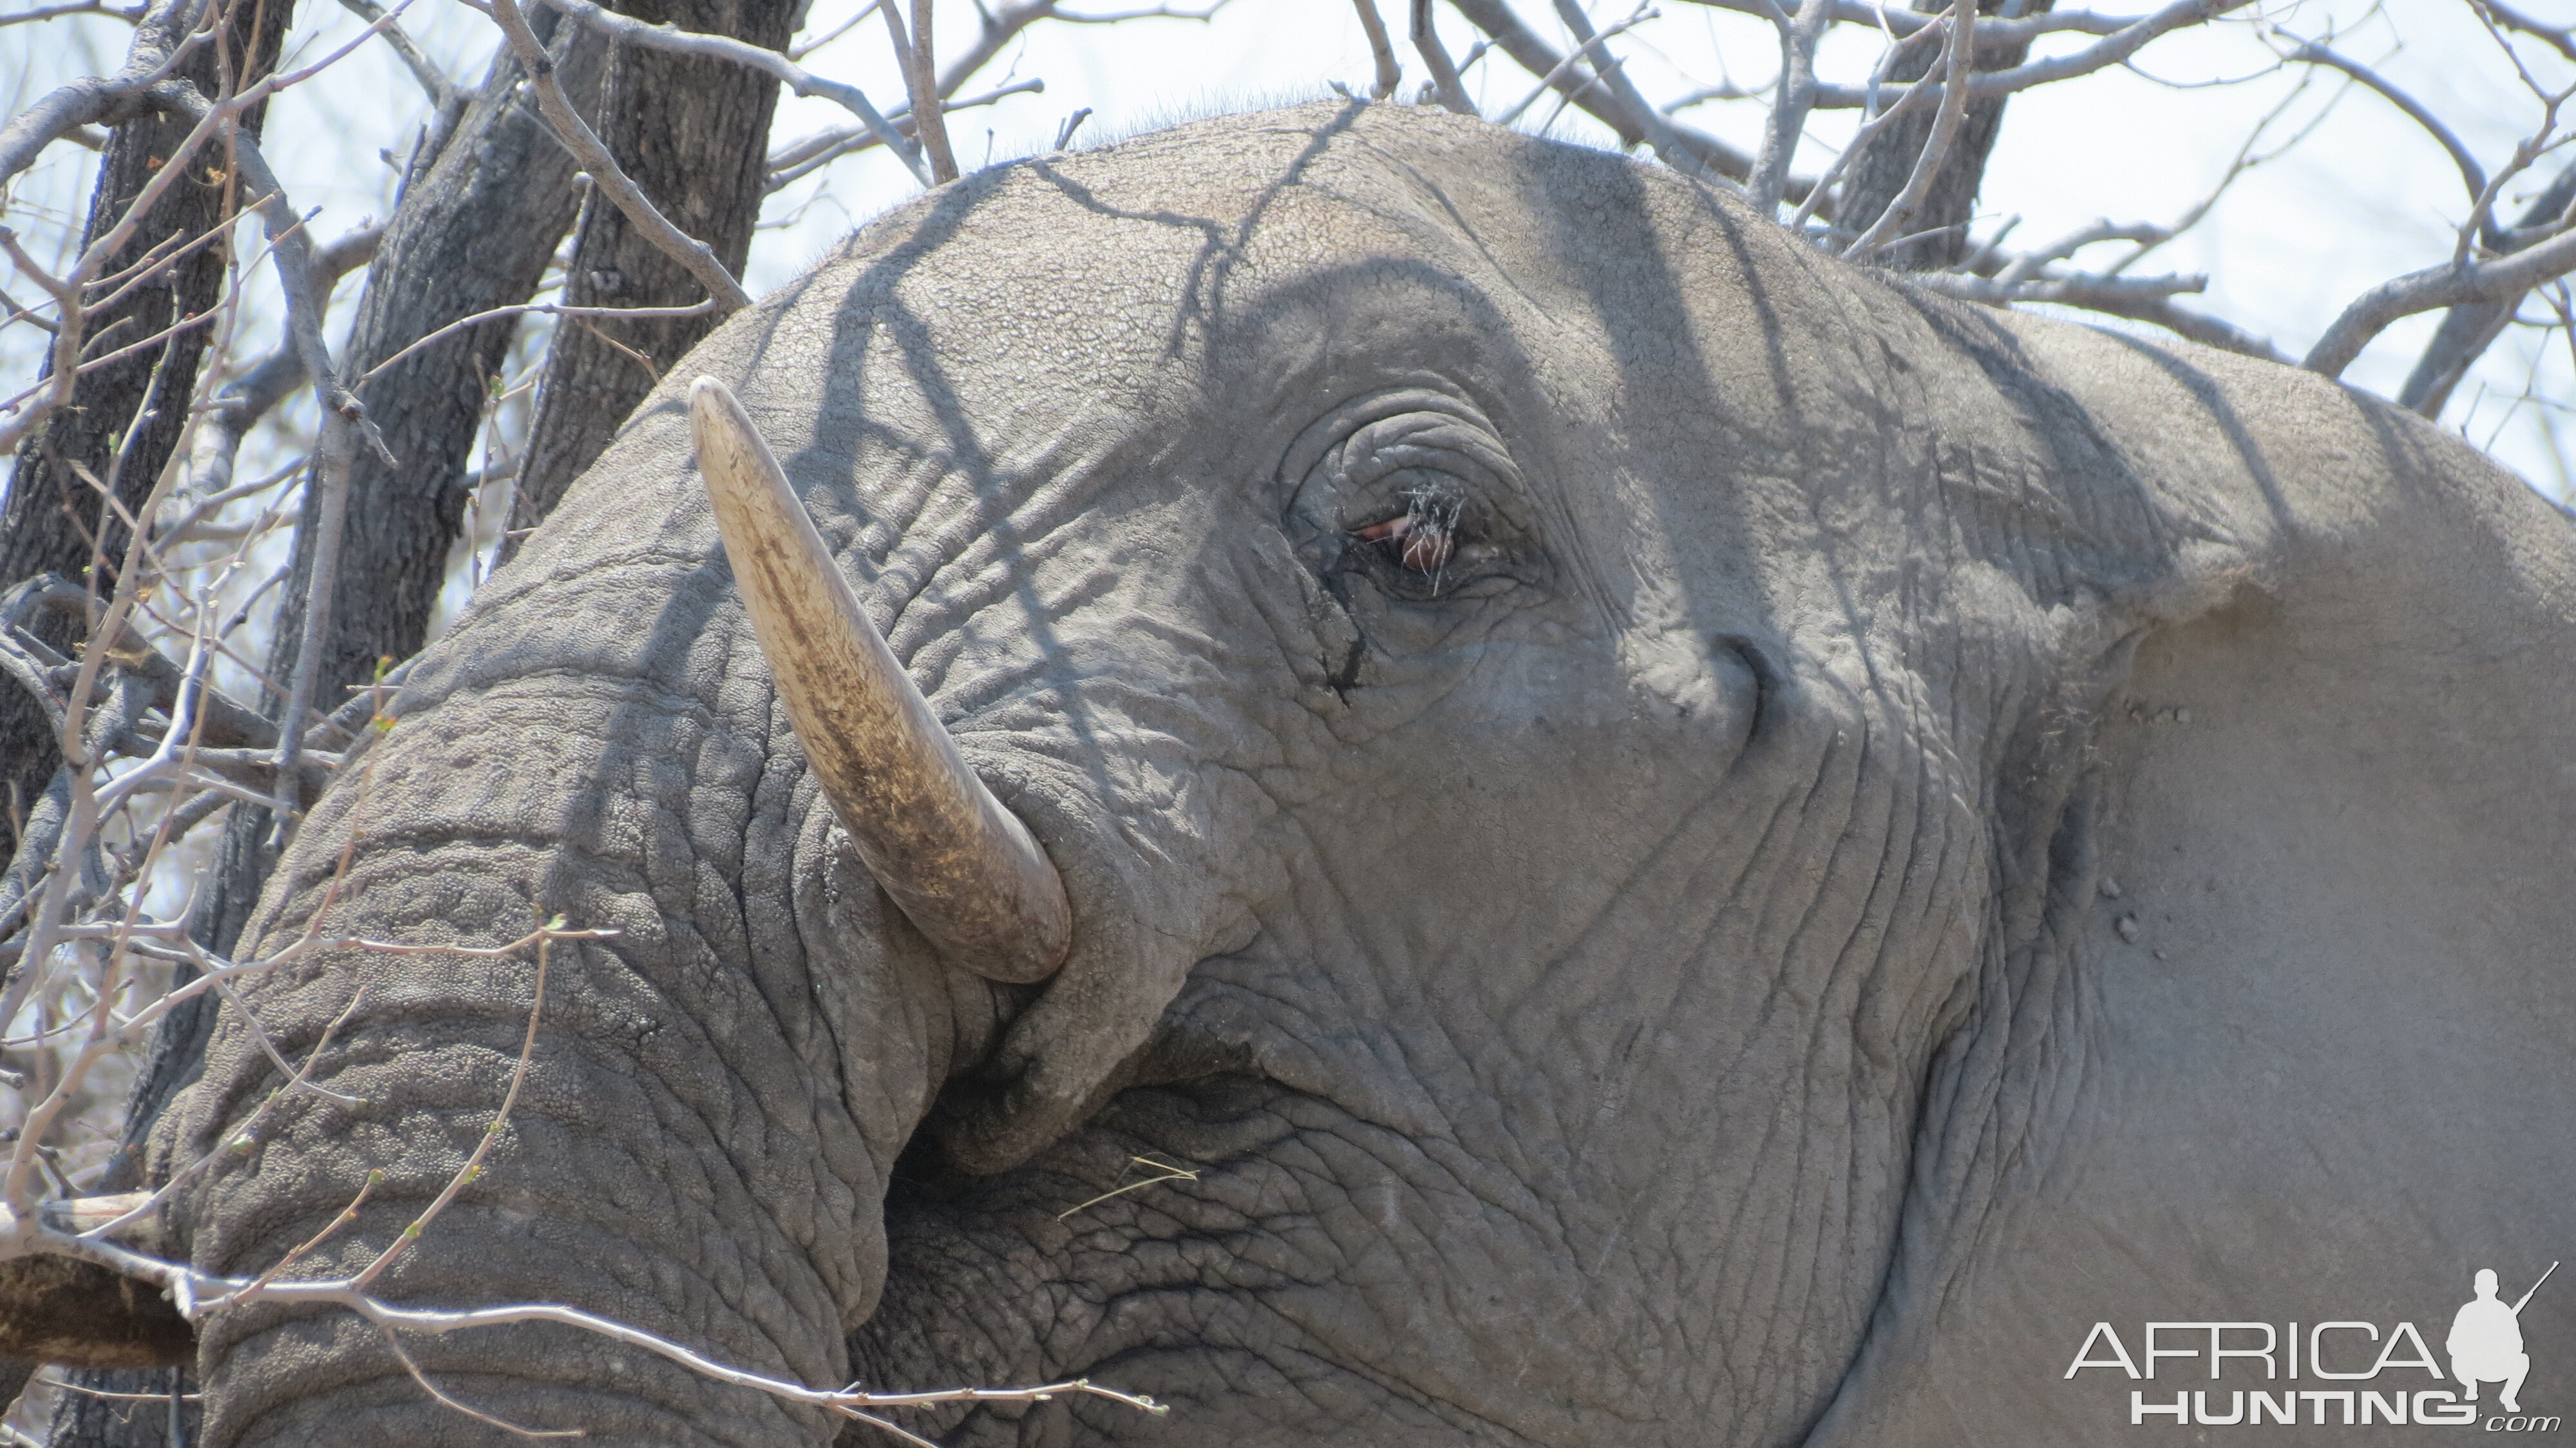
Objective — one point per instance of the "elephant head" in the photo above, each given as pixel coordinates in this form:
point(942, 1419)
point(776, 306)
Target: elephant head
point(1684, 843)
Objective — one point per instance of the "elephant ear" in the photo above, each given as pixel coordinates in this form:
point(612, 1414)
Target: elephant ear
point(2338, 978)
point(2307, 1053)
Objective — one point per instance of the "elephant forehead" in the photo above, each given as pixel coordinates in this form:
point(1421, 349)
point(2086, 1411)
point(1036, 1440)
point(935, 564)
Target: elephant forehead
point(1108, 273)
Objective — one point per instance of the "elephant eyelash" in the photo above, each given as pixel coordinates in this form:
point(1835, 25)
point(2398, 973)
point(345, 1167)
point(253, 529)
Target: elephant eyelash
point(1422, 540)
point(1423, 547)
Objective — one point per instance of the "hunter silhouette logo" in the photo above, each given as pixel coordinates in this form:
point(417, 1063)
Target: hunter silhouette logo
point(2486, 1341)
point(2342, 1373)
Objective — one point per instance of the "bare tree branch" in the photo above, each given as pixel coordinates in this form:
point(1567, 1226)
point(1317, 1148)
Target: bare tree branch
point(2110, 51)
point(167, 34)
point(441, 90)
point(541, 309)
point(1903, 24)
point(81, 7)
point(1686, 150)
point(291, 249)
point(804, 157)
point(2471, 173)
point(1789, 107)
point(604, 171)
point(1444, 76)
point(1945, 127)
point(2448, 285)
point(2034, 263)
point(630, 31)
point(1000, 27)
point(1381, 50)
point(1869, 131)
point(2468, 331)
point(1611, 73)
point(272, 380)
point(1581, 53)
point(920, 77)
point(199, 1292)
point(2560, 38)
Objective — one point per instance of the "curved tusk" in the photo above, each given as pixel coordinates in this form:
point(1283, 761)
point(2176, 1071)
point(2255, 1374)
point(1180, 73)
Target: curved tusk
point(963, 868)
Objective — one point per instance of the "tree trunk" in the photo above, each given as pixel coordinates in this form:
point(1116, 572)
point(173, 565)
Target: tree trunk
point(51, 522)
point(474, 233)
point(1879, 174)
point(701, 162)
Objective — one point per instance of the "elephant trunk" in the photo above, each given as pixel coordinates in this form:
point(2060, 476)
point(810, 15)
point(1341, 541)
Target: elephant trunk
point(715, 1093)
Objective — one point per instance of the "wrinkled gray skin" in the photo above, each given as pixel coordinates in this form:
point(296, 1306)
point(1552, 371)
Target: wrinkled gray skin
point(1650, 984)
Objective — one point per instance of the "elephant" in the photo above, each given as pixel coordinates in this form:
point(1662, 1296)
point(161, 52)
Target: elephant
point(1660, 838)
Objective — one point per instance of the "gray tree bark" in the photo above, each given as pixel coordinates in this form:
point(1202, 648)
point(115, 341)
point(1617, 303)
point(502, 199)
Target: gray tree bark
point(52, 520)
point(1879, 174)
point(701, 163)
point(475, 232)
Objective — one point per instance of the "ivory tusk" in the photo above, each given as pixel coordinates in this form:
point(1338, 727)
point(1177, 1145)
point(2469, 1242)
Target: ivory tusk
point(963, 869)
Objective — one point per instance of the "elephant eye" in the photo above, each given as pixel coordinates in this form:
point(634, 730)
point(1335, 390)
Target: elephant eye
point(1416, 493)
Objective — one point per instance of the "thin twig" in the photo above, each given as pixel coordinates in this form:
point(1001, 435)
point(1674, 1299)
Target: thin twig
point(1573, 57)
point(1936, 147)
point(1687, 150)
point(799, 52)
point(473, 1166)
point(1860, 140)
point(1444, 76)
point(445, 1400)
point(672, 40)
point(1993, 31)
point(2111, 296)
point(2111, 50)
point(330, 1229)
point(424, 70)
point(1170, 1173)
point(605, 173)
point(802, 158)
point(2557, 37)
point(81, 7)
point(544, 309)
point(167, 33)
point(2471, 173)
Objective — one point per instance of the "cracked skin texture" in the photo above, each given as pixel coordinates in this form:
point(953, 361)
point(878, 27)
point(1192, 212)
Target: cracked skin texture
point(1647, 980)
